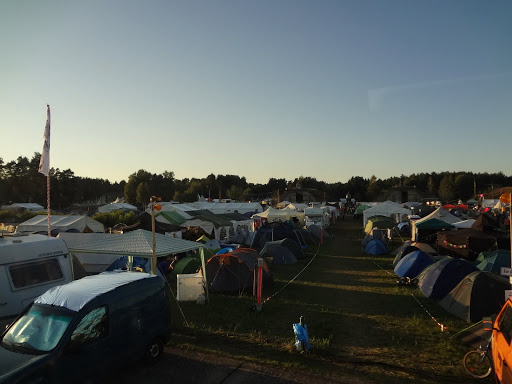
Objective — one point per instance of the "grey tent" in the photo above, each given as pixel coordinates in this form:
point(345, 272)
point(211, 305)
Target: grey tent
point(282, 255)
point(479, 294)
point(290, 244)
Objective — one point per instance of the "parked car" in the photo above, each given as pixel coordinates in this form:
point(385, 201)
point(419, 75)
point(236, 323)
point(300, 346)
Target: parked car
point(86, 329)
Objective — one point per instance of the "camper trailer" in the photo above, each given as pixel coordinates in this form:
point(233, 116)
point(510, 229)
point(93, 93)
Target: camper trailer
point(29, 266)
point(316, 216)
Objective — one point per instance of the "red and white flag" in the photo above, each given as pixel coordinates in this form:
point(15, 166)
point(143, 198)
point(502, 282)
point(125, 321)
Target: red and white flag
point(44, 163)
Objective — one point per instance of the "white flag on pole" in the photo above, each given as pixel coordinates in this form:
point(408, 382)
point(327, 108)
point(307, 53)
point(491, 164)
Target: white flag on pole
point(44, 163)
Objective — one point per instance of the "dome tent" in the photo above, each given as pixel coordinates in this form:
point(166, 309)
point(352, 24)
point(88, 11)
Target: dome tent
point(413, 264)
point(478, 295)
point(443, 276)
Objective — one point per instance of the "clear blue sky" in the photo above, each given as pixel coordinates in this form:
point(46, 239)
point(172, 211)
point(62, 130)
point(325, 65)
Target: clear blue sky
point(327, 89)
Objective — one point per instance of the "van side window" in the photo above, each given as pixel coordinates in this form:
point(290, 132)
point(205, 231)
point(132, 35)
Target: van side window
point(506, 324)
point(91, 328)
point(38, 272)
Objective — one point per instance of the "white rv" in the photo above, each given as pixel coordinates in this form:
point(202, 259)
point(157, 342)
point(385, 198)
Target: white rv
point(29, 266)
point(317, 216)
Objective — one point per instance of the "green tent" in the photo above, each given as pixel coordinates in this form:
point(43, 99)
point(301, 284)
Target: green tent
point(172, 217)
point(434, 224)
point(187, 265)
point(359, 210)
point(381, 222)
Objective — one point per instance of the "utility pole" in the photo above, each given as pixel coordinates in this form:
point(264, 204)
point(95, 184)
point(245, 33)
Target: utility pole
point(153, 200)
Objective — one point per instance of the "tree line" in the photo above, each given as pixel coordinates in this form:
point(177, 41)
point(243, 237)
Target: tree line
point(20, 182)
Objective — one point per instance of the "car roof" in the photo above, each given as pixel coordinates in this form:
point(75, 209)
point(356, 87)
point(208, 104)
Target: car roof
point(76, 294)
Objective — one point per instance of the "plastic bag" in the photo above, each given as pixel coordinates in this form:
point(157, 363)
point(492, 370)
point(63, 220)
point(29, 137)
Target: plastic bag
point(301, 337)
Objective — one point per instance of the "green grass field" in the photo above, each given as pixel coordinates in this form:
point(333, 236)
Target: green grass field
point(361, 323)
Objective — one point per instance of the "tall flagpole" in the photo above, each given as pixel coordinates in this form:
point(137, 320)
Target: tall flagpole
point(44, 164)
point(48, 204)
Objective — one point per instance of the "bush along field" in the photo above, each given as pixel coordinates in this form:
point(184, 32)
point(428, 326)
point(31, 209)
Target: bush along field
point(361, 323)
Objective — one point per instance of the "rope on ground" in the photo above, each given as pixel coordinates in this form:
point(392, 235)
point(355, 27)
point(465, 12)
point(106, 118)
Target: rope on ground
point(441, 326)
point(177, 303)
point(288, 283)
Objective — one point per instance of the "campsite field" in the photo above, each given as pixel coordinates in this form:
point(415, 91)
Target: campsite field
point(361, 323)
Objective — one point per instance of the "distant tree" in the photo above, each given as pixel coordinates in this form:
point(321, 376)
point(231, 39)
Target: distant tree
point(375, 188)
point(235, 193)
point(447, 188)
point(463, 186)
point(357, 186)
point(143, 193)
point(110, 219)
point(431, 185)
point(178, 196)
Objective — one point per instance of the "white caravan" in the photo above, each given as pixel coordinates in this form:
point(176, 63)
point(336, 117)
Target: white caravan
point(29, 266)
point(317, 216)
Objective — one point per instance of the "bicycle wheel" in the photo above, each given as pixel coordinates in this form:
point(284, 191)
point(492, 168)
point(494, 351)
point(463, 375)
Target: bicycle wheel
point(477, 364)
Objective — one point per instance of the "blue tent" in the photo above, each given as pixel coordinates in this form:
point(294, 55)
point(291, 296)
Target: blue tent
point(443, 276)
point(375, 247)
point(412, 264)
point(404, 252)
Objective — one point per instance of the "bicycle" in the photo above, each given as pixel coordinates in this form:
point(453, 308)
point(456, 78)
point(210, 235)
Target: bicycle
point(478, 363)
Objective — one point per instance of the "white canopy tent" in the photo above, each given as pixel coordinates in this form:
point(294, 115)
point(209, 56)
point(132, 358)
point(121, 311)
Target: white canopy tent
point(62, 223)
point(139, 243)
point(117, 207)
point(464, 224)
point(228, 207)
point(389, 209)
point(28, 206)
point(299, 207)
point(273, 214)
point(440, 214)
point(92, 262)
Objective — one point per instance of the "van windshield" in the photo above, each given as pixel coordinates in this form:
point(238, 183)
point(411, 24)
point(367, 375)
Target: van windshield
point(37, 331)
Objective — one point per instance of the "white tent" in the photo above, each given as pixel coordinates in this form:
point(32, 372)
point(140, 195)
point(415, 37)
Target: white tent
point(489, 203)
point(273, 214)
point(28, 206)
point(62, 223)
point(228, 207)
point(299, 207)
point(116, 207)
point(464, 224)
point(389, 209)
point(440, 214)
point(92, 263)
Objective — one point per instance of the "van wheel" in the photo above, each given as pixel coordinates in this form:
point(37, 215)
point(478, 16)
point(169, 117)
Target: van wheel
point(154, 350)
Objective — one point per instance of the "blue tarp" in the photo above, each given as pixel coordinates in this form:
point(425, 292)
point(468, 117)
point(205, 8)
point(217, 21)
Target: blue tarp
point(412, 264)
point(443, 276)
point(375, 247)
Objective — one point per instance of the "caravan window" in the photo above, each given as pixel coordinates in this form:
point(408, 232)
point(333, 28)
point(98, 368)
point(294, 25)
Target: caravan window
point(26, 275)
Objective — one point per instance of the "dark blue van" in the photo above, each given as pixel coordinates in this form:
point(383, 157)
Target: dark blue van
point(86, 329)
